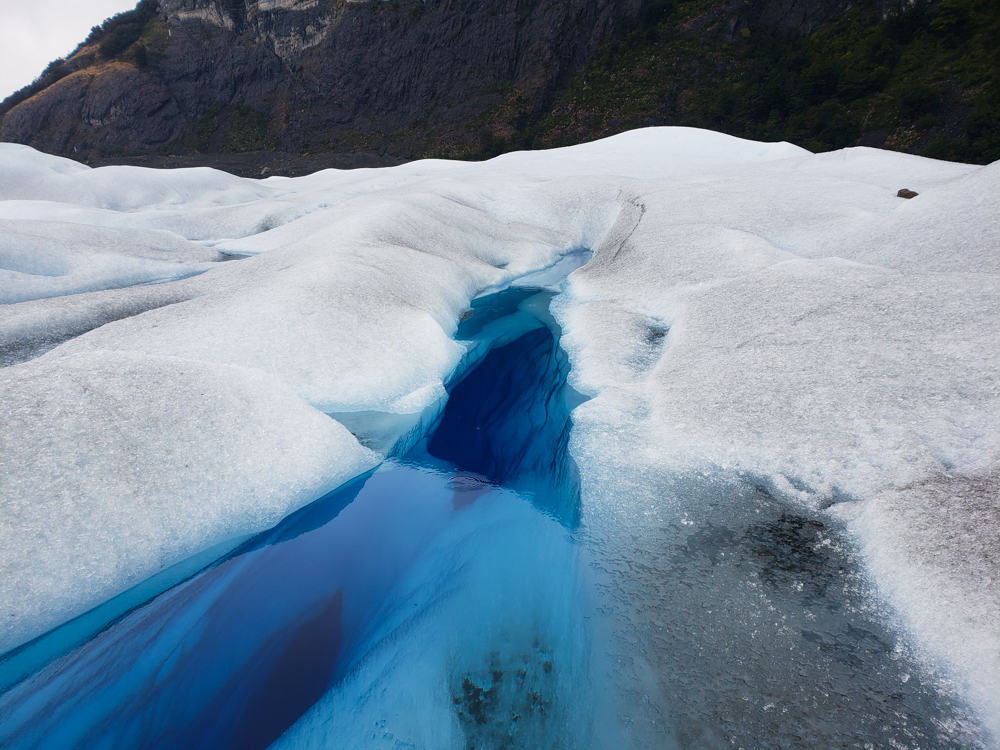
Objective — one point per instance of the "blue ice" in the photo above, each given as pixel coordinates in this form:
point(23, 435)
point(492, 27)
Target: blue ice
point(433, 603)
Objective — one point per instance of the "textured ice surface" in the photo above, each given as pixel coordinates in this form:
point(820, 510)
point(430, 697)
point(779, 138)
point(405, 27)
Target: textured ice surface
point(753, 315)
point(935, 546)
point(47, 259)
point(116, 465)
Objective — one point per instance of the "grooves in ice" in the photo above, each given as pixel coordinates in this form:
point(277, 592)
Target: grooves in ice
point(734, 483)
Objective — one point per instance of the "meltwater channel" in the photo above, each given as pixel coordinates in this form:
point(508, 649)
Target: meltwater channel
point(436, 598)
point(463, 596)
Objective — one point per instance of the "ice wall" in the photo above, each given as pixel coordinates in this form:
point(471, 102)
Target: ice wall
point(797, 327)
point(753, 313)
point(117, 465)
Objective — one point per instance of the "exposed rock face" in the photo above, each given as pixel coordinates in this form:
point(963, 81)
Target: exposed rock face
point(229, 75)
point(113, 107)
point(805, 16)
point(313, 69)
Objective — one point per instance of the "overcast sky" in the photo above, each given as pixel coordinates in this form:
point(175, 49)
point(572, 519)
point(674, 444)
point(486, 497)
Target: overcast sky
point(33, 33)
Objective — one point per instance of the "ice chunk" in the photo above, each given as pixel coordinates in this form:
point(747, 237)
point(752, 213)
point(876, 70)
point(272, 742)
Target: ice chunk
point(113, 466)
point(48, 259)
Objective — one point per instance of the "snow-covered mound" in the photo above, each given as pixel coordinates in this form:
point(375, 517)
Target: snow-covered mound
point(751, 311)
point(47, 258)
point(120, 463)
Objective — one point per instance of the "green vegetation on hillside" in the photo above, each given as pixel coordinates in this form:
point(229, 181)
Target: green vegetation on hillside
point(231, 129)
point(112, 38)
point(121, 31)
point(924, 80)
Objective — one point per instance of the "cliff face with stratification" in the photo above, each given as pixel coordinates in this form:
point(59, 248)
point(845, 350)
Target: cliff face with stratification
point(232, 76)
point(473, 78)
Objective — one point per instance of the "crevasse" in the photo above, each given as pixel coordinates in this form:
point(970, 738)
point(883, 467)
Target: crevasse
point(234, 655)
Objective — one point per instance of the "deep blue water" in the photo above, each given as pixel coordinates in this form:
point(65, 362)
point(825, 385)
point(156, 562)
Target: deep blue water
point(234, 655)
point(452, 599)
point(529, 452)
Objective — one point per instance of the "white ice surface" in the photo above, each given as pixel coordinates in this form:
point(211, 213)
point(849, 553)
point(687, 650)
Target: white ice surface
point(118, 465)
point(41, 259)
point(751, 310)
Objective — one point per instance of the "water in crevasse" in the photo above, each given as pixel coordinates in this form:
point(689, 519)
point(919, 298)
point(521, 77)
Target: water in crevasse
point(508, 421)
point(441, 591)
point(447, 601)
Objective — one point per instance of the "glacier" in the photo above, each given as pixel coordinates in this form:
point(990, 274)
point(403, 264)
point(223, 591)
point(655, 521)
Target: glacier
point(770, 357)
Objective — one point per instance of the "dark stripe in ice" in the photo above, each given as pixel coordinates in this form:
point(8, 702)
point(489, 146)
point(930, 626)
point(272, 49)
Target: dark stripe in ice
point(296, 680)
point(508, 420)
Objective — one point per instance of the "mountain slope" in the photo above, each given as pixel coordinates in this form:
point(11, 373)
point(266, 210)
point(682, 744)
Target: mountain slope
point(925, 79)
point(233, 76)
point(473, 79)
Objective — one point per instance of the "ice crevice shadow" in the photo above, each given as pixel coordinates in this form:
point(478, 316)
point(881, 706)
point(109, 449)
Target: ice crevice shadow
point(458, 551)
point(459, 596)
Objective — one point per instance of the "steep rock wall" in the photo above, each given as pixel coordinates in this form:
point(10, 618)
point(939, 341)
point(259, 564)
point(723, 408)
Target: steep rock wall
point(308, 67)
point(406, 76)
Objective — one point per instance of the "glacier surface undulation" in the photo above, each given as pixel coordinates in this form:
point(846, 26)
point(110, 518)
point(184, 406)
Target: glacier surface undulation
point(753, 315)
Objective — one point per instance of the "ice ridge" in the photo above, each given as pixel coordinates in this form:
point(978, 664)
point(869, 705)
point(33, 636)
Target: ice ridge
point(751, 312)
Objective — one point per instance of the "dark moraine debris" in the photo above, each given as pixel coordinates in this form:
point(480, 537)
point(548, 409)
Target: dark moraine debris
point(905, 193)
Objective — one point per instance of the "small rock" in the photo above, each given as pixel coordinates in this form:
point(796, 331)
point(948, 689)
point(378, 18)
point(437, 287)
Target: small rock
point(904, 193)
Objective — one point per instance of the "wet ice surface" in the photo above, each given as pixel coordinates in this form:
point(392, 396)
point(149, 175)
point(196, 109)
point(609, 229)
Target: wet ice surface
point(742, 622)
point(760, 328)
point(454, 600)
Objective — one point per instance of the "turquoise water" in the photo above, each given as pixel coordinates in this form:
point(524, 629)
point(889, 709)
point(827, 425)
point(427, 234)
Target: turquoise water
point(454, 599)
point(234, 655)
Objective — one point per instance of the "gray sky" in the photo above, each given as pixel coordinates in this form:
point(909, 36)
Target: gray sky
point(33, 33)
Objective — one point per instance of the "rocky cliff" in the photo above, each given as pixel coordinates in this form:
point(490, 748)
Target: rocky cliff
point(215, 75)
point(472, 78)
